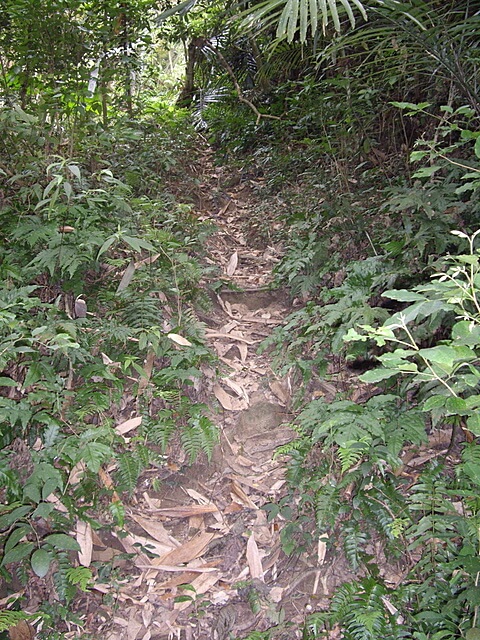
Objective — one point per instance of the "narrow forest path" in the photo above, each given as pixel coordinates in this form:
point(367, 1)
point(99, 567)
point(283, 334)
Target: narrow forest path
point(220, 571)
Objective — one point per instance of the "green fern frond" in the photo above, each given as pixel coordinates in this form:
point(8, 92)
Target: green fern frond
point(354, 540)
point(161, 431)
point(9, 619)
point(327, 506)
point(351, 452)
point(200, 434)
point(80, 576)
point(139, 311)
point(65, 589)
point(129, 469)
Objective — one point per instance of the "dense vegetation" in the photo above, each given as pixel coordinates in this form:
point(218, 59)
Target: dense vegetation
point(366, 132)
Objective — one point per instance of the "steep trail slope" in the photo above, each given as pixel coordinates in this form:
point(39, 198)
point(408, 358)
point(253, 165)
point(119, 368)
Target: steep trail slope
point(219, 570)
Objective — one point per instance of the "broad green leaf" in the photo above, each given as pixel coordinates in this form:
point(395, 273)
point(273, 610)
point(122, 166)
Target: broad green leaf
point(467, 259)
point(477, 147)
point(442, 355)
point(403, 295)
point(18, 553)
point(418, 155)
point(473, 423)
point(411, 106)
point(473, 402)
point(62, 542)
point(377, 375)
point(7, 519)
point(93, 454)
point(472, 595)
point(397, 357)
point(434, 402)
point(292, 25)
point(51, 185)
point(40, 562)
point(472, 634)
point(304, 11)
point(81, 576)
point(456, 406)
point(117, 510)
point(75, 169)
point(465, 111)
point(447, 356)
point(7, 382)
point(352, 335)
point(17, 534)
point(67, 187)
point(43, 510)
point(466, 332)
point(313, 16)
point(183, 599)
point(106, 246)
point(284, 19)
point(334, 11)
point(9, 619)
point(137, 244)
point(426, 172)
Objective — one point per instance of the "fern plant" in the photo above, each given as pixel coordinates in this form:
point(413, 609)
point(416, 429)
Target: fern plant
point(360, 610)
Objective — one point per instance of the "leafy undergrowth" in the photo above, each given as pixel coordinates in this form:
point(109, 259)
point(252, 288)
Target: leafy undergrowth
point(104, 363)
point(386, 473)
point(99, 275)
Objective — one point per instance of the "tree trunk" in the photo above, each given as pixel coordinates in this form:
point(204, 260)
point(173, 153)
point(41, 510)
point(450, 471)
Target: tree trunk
point(187, 94)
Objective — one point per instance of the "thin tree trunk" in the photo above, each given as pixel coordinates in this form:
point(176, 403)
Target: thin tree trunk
point(185, 98)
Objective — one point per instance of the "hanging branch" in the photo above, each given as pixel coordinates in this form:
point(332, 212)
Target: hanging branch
point(238, 89)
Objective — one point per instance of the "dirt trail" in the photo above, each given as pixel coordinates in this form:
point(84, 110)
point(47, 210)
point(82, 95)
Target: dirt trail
point(220, 571)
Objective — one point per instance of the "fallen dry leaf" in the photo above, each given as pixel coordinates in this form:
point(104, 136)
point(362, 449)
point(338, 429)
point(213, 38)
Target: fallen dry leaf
point(127, 276)
point(202, 584)
point(171, 568)
point(149, 260)
point(192, 549)
point(147, 372)
point(281, 391)
point(175, 337)
point(236, 388)
point(232, 264)
point(85, 541)
point(227, 401)
point(156, 530)
point(128, 425)
point(21, 631)
point(240, 493)
point(186, 511)
point(77, 473)
point(233, 336)
point(243, 349)
point(133, 629)
point(253, 558)
point(322, 548)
